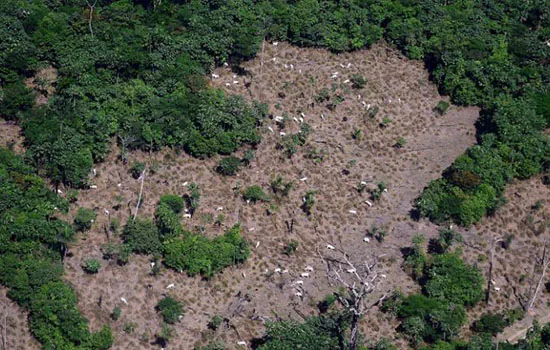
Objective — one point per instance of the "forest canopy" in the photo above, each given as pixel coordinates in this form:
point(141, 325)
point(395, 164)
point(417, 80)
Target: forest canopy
point(133, 72)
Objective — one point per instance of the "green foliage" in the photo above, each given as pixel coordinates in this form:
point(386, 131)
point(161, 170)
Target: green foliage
point(142, 237)
point(290, 143)
point(291, 247)
point(325, 304)
point(193, 198)
point(376, 194)
point(490, 323)
point(416, 259)
point(84, 219)
point(136, 169)
point(324, 332)
point(308, 202)
point(444, 241)
point(281, 188)
point(449, 285)
point(163, 337)
point(451, 279)
point(167, 221)
point(430, 319)
point(174, 202)
point(91, 266)
point(215, 322)
point(400, 143)
point(358, 81)
point(170, 309)
point(228, 166)
point(323, 96)
point(441, 107)
point(129, 327)
point(197, 254)
point(255, 194)
point(115, 315)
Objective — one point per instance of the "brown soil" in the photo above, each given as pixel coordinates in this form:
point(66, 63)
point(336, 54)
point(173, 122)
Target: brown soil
point(250, 294)
point(43, 83)
point(10, 136)
point(14, 329)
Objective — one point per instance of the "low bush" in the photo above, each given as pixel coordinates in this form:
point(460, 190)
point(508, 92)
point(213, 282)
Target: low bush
point(84, 219)
point(255, 194)
point(91, 266)
point(170, 309)
point(229, 166)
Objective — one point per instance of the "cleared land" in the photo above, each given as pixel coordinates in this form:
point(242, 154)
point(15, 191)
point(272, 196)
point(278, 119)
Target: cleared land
point(289, 82)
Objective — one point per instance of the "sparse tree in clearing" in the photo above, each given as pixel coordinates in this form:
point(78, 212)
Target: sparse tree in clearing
point(308, 202)
point(360, 280)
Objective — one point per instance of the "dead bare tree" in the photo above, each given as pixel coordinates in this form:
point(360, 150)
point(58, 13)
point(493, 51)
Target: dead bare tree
point(490, 274)
point(156, 3)
point(91, 15)
point(142, 178)
point(360, 280)
point(543, 264)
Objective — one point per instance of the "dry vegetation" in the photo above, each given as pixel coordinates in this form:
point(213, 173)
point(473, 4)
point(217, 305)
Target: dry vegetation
point(251, 294)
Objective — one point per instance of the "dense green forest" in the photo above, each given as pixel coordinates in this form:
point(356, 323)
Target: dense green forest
point(133, 72)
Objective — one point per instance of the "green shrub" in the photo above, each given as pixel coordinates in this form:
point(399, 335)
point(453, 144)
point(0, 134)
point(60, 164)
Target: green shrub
point(325, 304)
point(229, 166)
point(129, 327)
point(291, 247)
point(193, 198)
point(451, 279)
point(197, 254)
point(136, 169)
point(400, 143)
point(376, 194)
point(170, 309)
point(308, 202)
point(430, 319)
point(323, 96)
point(142, 237)
point(490, 323)
point(164, 336)
point(174, 202)
point(115, 315)
point(84, 219)
point(441, 107)
point(255, 194)
point(444, 241)
point(114, 225)
point(167, 222)
point(91, 266)
point(215, 322)
point(72, 196)
point(358, 81)
point(416, 259)
point(281, 188)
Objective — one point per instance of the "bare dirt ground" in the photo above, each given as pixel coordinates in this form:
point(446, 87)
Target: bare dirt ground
point(14, 330)
point(10, 136)
point(250, 294)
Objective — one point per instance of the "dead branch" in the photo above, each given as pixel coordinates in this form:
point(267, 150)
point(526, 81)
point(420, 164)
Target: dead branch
point(359, 279)
point(544, 262)
point(92, 8)
point(142, 177)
